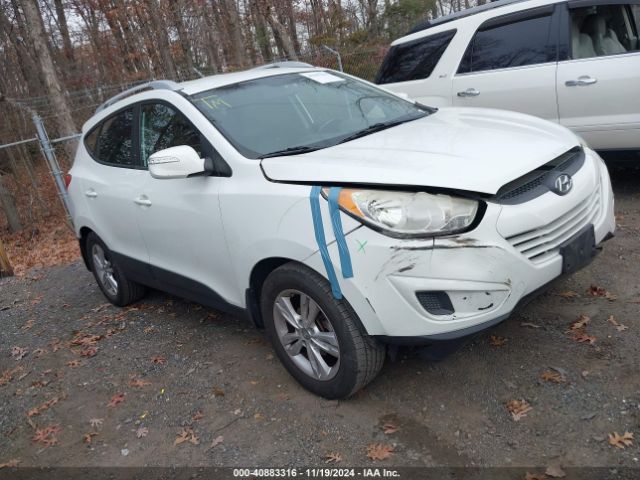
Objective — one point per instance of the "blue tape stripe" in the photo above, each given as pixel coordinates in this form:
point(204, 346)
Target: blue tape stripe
point(336, 221)
point(318, 227)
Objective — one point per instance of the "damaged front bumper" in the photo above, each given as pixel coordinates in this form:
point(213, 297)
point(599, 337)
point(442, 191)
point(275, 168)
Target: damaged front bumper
point(418, 291)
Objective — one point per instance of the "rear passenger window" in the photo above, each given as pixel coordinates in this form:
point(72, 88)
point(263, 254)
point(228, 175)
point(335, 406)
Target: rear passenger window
point(528, 41)
point(112, 141)
point(414, 60)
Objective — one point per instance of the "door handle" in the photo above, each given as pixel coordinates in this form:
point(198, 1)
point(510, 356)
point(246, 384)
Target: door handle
point(469, 92)
point(582, 81)
point(143, 201)
point(91, 193)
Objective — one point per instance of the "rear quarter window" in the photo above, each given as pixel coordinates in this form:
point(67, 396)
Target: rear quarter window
point(414, 60)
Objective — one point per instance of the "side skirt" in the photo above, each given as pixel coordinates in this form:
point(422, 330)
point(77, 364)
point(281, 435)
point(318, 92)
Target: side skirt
point(177, 285)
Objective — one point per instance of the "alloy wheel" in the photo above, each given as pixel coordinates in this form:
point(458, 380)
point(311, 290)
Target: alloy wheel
point(104, 270)
point(306, 334)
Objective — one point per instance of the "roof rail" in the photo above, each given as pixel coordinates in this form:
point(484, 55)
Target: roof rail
point(284, 64)
point(153, 85)
point(461, 14)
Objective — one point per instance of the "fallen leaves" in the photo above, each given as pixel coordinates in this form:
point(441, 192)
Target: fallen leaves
point(581, 323)
point(46, 436)
point(18, 353)
point(389, 428)
point(115, 400)
point(555, 471)
point(216, 441)
point(578, 333)
point(158, 360)
point(138, 383)
point(197, 416)
point(13, 463)
point(497, 341)
point(217, 392)
point(85, 339)
point(332, 457)
point(41, 408)
point(96, 422)
point(621, 441)
point(596, 291)
point(142, 432)
point(74, 363)
point(379, 451)
point(89, 352)
point(568, 294)
point(582, 337)
point(551, 376)
point(620, 327)
point(186, 435)
point(8, 375)
point(518, 409)
point(88, 437)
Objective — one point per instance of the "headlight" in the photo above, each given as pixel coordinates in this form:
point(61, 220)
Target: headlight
point(416, 214)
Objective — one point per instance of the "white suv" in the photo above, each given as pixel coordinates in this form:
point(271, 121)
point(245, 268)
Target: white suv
point(334, 214)
point(576, 63)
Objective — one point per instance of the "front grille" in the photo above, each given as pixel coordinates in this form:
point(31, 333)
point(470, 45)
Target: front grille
point(542, 243)
point(539, 181)
point(436, 303)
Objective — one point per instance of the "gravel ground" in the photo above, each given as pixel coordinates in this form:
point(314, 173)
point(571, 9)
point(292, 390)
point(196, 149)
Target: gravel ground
point(178, 367)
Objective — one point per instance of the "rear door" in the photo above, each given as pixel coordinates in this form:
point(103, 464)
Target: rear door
point(598, 86)
point(110, 187)
point(510, 63)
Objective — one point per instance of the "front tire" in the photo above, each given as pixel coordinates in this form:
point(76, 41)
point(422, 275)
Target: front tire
point(111, 279)
point(319, 339)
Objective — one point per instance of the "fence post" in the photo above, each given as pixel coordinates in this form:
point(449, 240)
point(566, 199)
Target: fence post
point(5, 266)
point(52, 161)
point(337, 54)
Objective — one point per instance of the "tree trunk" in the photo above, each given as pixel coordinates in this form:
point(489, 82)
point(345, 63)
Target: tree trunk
point(9, 207)
point(234, 30)
point(5, 266)
point(64, 32)
point(160, 31)
point(66, 125)
point(177, 6)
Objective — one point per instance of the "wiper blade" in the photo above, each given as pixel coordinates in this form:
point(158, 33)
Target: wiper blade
point(290, 151)
point(376, 127)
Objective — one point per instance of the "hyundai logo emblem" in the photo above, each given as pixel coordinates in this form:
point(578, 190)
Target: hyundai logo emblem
point(563, 184)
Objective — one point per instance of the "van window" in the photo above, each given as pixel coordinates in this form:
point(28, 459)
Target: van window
point(414, 60)
point(525, 42)
point(601, 30)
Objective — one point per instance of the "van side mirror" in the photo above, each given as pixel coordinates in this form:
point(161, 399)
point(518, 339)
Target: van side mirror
point(176, 162)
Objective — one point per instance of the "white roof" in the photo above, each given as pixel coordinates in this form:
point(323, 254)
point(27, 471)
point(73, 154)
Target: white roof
point(214, 81)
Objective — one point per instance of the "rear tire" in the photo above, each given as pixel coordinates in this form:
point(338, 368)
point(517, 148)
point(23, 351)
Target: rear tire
point(111, 279)
point(319, 339)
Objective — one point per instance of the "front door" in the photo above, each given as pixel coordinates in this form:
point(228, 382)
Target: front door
point(180, 219)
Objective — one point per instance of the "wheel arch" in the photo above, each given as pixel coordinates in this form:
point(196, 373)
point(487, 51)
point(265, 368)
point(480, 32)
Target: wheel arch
point(259, 274)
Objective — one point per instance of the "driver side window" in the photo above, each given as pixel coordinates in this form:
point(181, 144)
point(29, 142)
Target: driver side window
point(163, 127)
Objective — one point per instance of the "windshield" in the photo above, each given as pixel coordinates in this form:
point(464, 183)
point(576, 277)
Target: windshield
point(299, 112)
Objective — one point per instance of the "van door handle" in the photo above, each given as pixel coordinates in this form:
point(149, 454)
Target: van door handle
point(143, 201)
point(582, 81)
point(91, 193)
point(469, 92)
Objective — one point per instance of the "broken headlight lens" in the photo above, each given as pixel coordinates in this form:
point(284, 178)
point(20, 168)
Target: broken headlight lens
point(415, 214)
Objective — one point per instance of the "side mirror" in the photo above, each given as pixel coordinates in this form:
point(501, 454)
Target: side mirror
point(176, 162)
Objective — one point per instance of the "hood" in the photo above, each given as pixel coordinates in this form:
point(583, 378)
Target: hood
point(472, 149)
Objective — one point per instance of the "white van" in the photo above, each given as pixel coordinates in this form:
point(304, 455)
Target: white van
point(575, 62)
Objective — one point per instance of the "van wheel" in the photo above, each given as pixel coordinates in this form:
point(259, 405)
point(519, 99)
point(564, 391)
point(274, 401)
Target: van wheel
point(319, 339)
point(114, 284)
